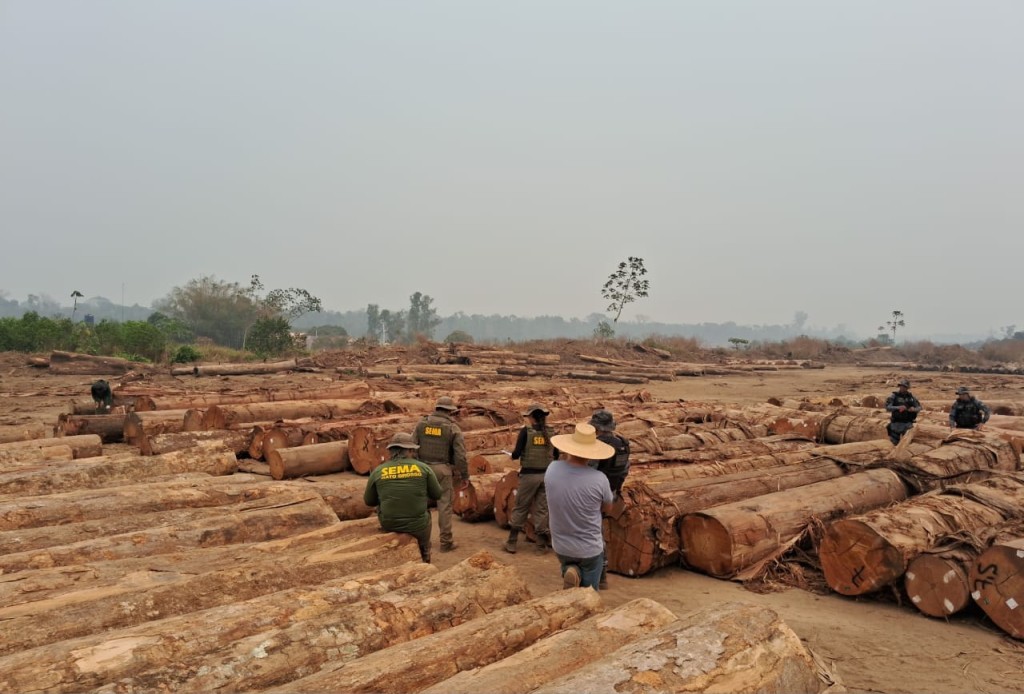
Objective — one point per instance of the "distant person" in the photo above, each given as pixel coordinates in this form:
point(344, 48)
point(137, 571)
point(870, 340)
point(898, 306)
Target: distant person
point(967, 411)
point(615, 467)
point(443, 447)
point(534, 452)
point(399, 488)
point(902, 407)
point(102, 396)
point(578, 496)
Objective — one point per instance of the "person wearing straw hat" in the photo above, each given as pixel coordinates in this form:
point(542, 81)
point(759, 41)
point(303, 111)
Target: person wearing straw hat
point(967, 411)
point(578, 497)
point(534, 452)
point(615, 467)
point(902, 407)
point(443, 447)
point(399, 488)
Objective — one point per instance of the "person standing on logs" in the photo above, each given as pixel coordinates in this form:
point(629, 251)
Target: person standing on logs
point(443, 447)
point(534, 452)
point(615, 467)
point(579, 496)
point(902, 407)
point(102, 396)
point(967, 411)
point(399, 488)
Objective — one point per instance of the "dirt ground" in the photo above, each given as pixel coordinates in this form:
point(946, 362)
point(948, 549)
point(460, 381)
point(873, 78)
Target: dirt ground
point(874, 644)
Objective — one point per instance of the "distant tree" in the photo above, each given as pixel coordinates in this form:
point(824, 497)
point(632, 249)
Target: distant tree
point(896, 322)
point(625, 285)
point(270, 336)
point(1009, 331)
point(422, 317)
point(392, 325)
point(459, 336)
point(373, 321)
point(211, 308)
point(75, 295)
point(604, 331)
point(738, 342)
point(287, 303)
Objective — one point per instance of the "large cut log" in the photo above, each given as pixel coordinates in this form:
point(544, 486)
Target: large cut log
point(254, 657)
point(318, 459)
point(109, 427)
point(92, 504)
point(259, 520)
point(570, 649)
point(725, 540)
point(505, 497)
point(25, 457)
point(283, 583)
point(861, 554)
point(200, 401)
point(119, 403)
point(367, 448)
point(342, 491)
point(22, 432)
point(425, 661)
point(36, 587)
point(84, 446)
point(282, 437)
point(223, 416)
point(82, 364)
point(997, 579)
point(138, 425)
point(962, 458)
point(233, 369)
point(725, 648)
point(938, 583)
point(213, 459)
point(730, 450)
point(235, 440)
point(475, 501)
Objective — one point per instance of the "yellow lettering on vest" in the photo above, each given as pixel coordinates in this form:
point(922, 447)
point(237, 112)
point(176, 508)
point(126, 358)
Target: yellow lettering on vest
point(538, 441)
point(432, 431)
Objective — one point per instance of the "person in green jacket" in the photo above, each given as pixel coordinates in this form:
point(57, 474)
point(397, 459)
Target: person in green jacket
point(400, 488)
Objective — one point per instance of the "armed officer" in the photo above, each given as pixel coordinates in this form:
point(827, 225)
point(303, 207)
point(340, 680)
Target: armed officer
point(534, 452)
point(443, 447)
point(615, 467)
point(967, 411)
point(903, 408)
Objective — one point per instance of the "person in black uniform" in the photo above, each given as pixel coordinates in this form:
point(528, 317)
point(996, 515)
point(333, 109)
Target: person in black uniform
point(902, 407)
point(615, 467)
point(102, 396)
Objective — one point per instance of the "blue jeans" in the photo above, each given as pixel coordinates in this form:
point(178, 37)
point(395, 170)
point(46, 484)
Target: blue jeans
point(590, 568)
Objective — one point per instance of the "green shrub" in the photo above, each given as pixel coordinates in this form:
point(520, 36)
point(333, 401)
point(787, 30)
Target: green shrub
point(186, 354)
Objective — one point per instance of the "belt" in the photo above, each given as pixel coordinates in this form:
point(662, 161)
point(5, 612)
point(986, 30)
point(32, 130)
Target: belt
point(532, 471)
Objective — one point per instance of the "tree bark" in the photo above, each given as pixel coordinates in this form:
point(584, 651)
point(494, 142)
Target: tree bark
point(223, 416)
point(282, 437)
point(318, 459)
point(431, 659)
point(997, 580)
point(29, 457)
point(22, 432)
point(475, 501)
point(342, 491)
point(862, 554)
point(112, 472)
point(109, 427)
point(583, 643)
point(725, 540)
point(254, 595)
point(235, 440)
point(250, 522)
point(83, 446)
point(725, 648)
point(148, 403)
point(505, 497)
point(138, 425)
point(234, 369)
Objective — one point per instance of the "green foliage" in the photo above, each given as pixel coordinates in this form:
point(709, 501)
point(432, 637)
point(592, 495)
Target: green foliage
point(220, 311)
point(270, 337)
point(896, 322)
point(422, 318)
point(33, 333)
point(373, 322)
point(459, 336)
point(289, 303)
point(625, 285)
point(186, 354)
point(604, 331)
point(137, 338)
point(174, 329)
point(328, 331)
point(738, 342)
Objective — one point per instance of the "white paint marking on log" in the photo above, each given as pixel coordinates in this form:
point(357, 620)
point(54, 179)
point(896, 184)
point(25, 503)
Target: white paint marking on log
point(976, 595)
point(1011, 603)
point(948, 605)
point(1020, 553)
point(910, 575)
point(950, 575)
point(915, 599)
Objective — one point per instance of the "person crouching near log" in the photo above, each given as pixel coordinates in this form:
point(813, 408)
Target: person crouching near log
point(102, 396)
point(399, 488)
point(967, 411)
point(578, 497)
point(615, 467)
point(902, 407)
point(534, 452)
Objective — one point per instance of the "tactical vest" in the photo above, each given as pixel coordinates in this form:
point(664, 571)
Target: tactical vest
point(434, 434)
point(907, 400)
point(538, 452)
point(967, 415)
point(620, 463)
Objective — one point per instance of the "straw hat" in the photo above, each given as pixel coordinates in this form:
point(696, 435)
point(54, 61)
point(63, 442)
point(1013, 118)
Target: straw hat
point(401, 440)
point(583, 443)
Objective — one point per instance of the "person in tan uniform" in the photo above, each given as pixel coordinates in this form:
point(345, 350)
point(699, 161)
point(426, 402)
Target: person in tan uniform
point(534, 452)
point(443, 447)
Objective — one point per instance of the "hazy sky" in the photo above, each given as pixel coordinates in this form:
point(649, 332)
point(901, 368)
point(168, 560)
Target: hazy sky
point(841, 158)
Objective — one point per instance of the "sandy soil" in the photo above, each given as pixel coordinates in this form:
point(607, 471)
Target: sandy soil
point(874, 644)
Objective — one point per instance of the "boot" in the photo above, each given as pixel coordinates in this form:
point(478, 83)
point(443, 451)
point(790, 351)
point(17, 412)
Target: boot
point(603, 583)
point(543, 542)
point(513, 538)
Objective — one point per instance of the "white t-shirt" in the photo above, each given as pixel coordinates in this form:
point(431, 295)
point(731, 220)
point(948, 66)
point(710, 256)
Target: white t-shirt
point(575, 495)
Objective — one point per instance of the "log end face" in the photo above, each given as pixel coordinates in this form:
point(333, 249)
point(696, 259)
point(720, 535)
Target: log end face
point(857, 560)
point(706, 545)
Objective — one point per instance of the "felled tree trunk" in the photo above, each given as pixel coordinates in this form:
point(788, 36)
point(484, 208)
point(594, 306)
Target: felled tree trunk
point(85, 364)
point(255, 594)
point(282, 437)
point(724, 540)
point(862, 554)
point(223, 416)
point(233, 369)
point(583, 643)
point(109, 427)
point(367, 448)
point(319, 459)
point(505, 497)
point(22, 432)
point(431, 659)
point(147, 403)
point(997, 579)
point(938, 584)
point(251, 522)
point(342, 491)
point(89, 406)
point(138, 425)
point(110, 472)
point(962, 458)
point(727, 648)
point(475, 501)
point(29, 457)
point(83, 446)
point(235, 440)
